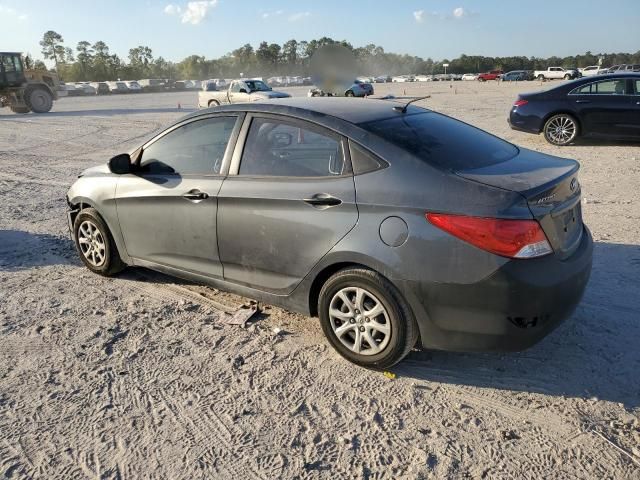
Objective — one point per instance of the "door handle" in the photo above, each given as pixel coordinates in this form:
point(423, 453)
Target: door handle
point(637, 103)
point(195, 195)
point(583, 101)
point(322, 200)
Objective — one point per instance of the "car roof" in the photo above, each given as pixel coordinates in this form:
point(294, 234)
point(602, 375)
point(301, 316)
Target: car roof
point(352, 110)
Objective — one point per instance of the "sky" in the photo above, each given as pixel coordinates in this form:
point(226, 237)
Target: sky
point(438, 29)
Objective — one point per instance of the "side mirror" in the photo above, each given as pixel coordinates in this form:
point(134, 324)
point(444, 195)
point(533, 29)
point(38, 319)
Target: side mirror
point(243, 90)
point(120, 164)
point(282, 139)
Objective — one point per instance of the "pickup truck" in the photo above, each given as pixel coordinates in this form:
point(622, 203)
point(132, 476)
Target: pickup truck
point(239, 91)
point(552, 73)
point(492, 75)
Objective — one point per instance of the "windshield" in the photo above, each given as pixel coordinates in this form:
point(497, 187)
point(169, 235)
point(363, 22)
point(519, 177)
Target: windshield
point(257, 86)
point(443, 141)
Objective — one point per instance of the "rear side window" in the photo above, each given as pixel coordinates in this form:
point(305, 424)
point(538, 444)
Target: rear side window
point(608, 87)
point(196, 148)
point(637, 87)
point(442, 141)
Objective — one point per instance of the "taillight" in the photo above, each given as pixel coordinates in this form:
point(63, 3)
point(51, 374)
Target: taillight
point(508, 238)
point(520, 103)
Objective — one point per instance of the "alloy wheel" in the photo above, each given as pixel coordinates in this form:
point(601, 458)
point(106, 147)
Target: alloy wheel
point(359, 321)
point(92, 243)
point(561, 129)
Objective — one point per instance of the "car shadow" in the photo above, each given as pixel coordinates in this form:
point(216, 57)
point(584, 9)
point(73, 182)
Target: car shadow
point(596, 353)
point(598, 142)
point(20, 250)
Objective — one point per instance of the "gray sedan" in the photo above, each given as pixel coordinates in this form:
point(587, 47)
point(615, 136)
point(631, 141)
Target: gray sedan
point(390, 222)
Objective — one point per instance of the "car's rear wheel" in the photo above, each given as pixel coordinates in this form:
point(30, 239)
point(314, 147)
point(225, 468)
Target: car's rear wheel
point(214, 103)
point(567, 77)
point(561, 129)
point(95, 244)
point(541, 78)
point(365, 318)
point(349, 93)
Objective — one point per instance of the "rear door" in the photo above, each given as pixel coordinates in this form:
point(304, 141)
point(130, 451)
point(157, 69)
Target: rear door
point(604, 107)
point(167, 210)
point(289, 198)
point(635, 108)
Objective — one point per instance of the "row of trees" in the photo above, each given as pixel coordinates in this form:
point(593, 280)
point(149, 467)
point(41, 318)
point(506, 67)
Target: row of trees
point(94, 61)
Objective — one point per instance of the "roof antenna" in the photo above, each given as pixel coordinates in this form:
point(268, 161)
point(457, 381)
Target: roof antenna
point(403, 109)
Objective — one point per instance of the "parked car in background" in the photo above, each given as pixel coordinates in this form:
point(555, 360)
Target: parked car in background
point(382, 79)
point(516, 76)
point(421, 78)
point(624, 68)
point(366, 86)
point(556, 73)
point(133, 86)
point(403, 78)
point(101, 88)
point(492, 75)
point(592, 70)
point(470, 76)
point(239, 91)
point(357, 89)
point(85, 88)
point(118, 87)
point(605, 106)
point(390, 222)
point(72, 90)
point(152, 84)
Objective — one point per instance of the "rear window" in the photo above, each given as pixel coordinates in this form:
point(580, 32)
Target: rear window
point(443, 141)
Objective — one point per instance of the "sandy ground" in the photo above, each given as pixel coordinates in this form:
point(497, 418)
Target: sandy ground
point(137, 377)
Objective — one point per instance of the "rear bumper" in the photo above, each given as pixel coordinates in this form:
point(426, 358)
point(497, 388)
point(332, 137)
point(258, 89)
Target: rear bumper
point(514, 308)
point(522, 122)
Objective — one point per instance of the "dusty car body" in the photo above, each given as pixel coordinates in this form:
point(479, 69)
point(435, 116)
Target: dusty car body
point(389, 222)
point(238, 91)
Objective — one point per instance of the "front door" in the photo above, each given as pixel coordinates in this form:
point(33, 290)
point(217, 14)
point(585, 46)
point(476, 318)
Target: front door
point(167, 210)
point(291, 201)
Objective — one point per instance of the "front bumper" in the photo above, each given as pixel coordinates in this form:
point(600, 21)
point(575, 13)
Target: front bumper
point(514, 308)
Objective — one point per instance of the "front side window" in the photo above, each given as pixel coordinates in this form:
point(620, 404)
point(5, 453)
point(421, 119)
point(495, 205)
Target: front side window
point(284, 149)
point(196, 148)
point(236, 86)
point(257, 86)
point(637, 87)
point(608, 87)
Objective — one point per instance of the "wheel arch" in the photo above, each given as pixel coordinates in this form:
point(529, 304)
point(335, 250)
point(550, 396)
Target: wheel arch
point(564, 111)
point(79, 203)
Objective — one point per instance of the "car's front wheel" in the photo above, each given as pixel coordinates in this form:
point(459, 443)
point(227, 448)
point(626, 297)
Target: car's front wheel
point(95, 244)
point(567, 77)
point(561, 129)
point(365, 318)
point(349, 93)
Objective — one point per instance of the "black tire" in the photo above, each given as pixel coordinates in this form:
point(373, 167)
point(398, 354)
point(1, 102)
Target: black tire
point(402, 327)
point(554, 126)
point(541, 78)
point(38, 99)
point(19, 109)
point(567, 77)
point(349, 93)
point(482, 79)
point(214, 103)
point(112, 263)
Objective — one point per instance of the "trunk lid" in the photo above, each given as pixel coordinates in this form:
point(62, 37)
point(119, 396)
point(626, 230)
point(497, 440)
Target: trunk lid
point(550, 186)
